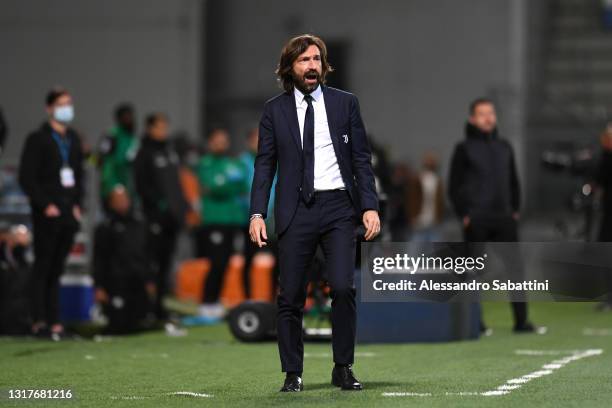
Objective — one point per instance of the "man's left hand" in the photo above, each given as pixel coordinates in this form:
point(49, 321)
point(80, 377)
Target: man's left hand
point(371, 222)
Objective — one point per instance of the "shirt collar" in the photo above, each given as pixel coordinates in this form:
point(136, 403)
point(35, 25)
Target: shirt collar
point(317, 95)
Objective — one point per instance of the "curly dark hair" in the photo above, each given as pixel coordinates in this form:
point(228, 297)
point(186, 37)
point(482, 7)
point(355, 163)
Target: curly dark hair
point(294, 47)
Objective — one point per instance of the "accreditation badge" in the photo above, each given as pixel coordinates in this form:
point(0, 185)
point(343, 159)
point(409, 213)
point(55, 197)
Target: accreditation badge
point(67, 177)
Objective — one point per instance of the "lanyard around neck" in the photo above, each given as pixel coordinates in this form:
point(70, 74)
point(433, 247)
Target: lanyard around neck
point(63, 143)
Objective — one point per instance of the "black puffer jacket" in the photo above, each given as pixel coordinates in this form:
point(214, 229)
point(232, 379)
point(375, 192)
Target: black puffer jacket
point(483, 177)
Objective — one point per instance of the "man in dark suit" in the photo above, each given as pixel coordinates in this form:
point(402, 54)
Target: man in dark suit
point(314, 135)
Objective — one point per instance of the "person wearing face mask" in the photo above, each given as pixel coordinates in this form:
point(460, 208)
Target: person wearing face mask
point(117, 153)
point(51, 175)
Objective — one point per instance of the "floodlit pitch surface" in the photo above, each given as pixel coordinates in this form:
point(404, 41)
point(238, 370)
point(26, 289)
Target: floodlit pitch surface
point(569, 366)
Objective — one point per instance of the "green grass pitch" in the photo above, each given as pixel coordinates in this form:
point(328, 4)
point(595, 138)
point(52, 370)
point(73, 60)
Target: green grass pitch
point(145, 370)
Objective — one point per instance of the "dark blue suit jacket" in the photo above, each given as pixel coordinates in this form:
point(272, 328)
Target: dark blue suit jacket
point(280, 147)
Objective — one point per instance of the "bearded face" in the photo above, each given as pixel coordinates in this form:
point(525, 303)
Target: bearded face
point(307, 70)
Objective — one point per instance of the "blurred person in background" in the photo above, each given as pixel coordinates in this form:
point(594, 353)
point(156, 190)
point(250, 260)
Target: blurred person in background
point(157, 182)
point(485, 191)
point(124, 280)
point(188, 157)
point(426, 200)
point(250, 249)
point(51, 175)
point(3, 131)
point(223, 182)
point(604, 181)
point(382, 169)
point(117, 152)
point(14, 279)
point(398, 211)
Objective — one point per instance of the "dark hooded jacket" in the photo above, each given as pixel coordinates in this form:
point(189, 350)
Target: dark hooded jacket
point(483, 181)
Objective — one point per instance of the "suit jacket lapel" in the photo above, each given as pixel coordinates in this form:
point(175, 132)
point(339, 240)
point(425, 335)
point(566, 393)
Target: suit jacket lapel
point(292, 120)
point(330, 109)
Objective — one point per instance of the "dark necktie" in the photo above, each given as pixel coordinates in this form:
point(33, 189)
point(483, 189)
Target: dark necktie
point(308, 152)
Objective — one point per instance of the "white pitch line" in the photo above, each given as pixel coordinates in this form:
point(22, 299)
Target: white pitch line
point(596, 332)
point(508, 387)
point(516, 383)
point(406, 394)
point(494, 393)
point(191, 394)
point(129, 397)
point(546, 369)
point(461, 394)
point(179, 393)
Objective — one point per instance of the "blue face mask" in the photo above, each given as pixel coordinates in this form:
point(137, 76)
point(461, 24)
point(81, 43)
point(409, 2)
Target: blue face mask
point(64, 114)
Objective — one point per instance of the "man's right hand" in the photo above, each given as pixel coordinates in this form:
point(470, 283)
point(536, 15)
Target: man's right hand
point(257, 231)
point(466, 221)
point(52, 211)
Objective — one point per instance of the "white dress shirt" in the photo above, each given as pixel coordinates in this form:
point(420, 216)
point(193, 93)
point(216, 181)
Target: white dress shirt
point(327, 174)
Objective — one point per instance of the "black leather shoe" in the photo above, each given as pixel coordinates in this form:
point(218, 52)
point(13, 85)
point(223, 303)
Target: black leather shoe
point(293, 383)
point(343, 377)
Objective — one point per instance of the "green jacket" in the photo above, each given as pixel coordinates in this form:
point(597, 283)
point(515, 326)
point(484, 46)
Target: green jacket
point(223, 181)
point(117, 152)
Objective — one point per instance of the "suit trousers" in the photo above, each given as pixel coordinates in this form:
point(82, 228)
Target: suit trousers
point(329, 221)
point(498, 229)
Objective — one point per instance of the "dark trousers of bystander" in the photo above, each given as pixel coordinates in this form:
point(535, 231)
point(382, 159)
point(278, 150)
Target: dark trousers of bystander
point(53, 239)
